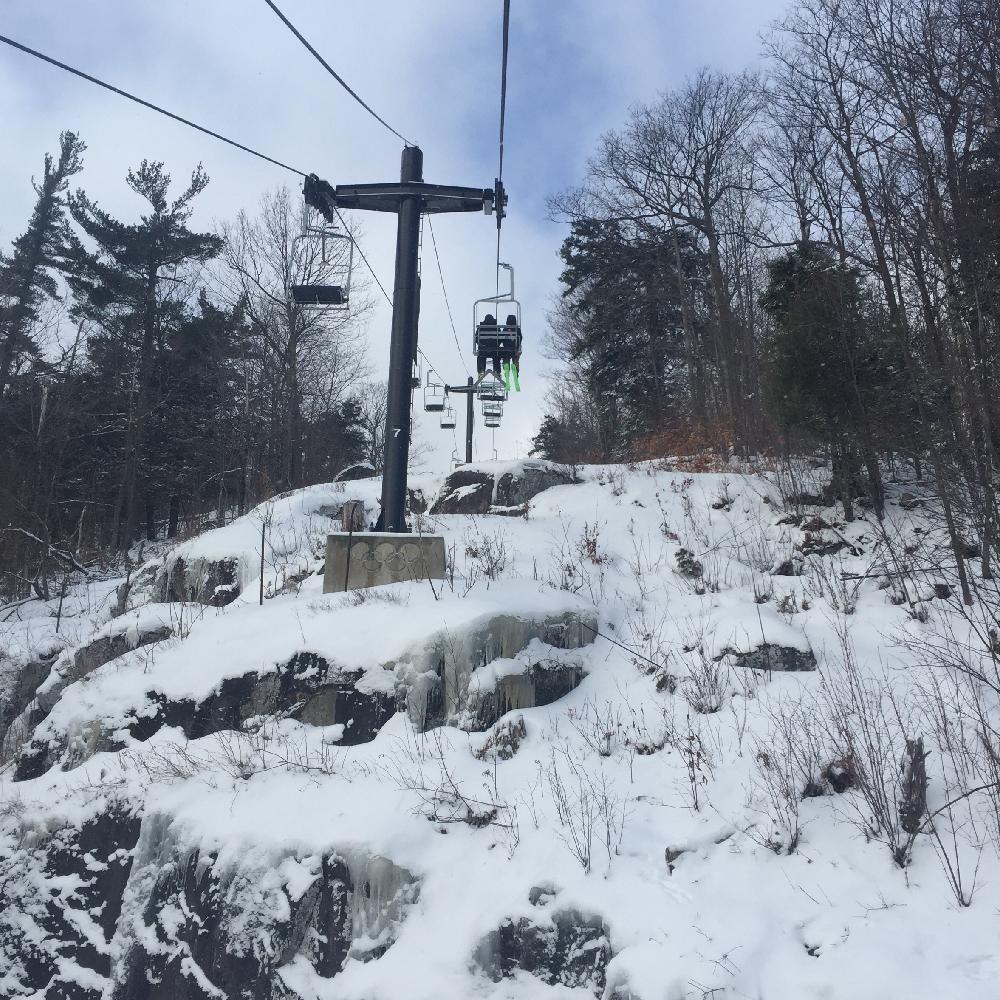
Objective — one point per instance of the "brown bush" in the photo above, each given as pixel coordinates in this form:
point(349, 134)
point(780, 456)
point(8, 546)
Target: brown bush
point(691, 446)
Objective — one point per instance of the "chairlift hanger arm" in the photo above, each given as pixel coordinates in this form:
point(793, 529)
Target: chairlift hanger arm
point(434, 198)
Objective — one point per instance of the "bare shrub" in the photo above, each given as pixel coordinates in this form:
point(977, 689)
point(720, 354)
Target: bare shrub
point(826, 579)
point(706, 686)
point(487, 556)
point(427, 772)
point(600, 728)
point(870, 723)
point(586, 805)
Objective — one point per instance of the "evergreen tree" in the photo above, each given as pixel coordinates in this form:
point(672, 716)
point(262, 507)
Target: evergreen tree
point(830, 368)
point(26, 275)
point(130, 286)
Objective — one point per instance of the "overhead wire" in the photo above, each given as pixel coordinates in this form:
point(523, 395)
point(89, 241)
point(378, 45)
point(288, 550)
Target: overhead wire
point(147, 104)
point(298, 34)
point(503, 116)
point(444, 292)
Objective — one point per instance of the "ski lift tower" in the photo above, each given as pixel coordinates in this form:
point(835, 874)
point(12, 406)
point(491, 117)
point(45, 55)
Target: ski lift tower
point(408, 199)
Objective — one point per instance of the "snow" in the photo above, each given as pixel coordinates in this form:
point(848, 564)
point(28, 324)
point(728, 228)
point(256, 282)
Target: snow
point(728, 917)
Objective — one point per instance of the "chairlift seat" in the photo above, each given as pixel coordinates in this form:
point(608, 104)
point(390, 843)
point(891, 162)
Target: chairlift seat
point(434, 395)
point(492, 389)
point(319, 295)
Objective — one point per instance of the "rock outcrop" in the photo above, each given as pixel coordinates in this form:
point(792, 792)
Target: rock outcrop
point(479, 491)
point(60, 900)
point(214, 582)
point(306, 687)
point(568, 949)
point(196, 928)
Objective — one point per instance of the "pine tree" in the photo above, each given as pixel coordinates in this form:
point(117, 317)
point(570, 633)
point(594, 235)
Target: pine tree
point(25, 277)
point(129, 287)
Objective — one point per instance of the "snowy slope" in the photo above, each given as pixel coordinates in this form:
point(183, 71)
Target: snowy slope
point(668, 829)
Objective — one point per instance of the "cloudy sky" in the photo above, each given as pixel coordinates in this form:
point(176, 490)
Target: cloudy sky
point(431, 70)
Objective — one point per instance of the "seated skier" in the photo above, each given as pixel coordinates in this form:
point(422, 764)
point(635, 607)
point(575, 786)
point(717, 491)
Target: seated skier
point(489, 327)
point(512, 353)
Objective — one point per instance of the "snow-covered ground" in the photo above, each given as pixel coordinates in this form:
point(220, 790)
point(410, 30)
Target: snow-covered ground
point(677, 807)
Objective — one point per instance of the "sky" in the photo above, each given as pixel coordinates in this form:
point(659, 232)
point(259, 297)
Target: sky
point(432, 70)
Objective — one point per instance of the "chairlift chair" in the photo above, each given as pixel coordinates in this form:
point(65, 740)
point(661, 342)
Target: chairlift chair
point(492, 410)
point(497, 326)
point(335, 292)
point(416, 380)
point(492, 389)
point(433, 393)
point(448, 421)
point(492, 421)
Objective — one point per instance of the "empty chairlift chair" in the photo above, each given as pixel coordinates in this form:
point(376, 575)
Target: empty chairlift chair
point(433, 393)
point(328, 284)
point(492, 412)
point(448, 421)
point(492, 389)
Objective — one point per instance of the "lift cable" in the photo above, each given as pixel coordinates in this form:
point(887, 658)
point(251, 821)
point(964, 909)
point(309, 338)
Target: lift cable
point(503, 116)
point(444, 291)
point(147, 104)
point(298, 34)
point(361, 254)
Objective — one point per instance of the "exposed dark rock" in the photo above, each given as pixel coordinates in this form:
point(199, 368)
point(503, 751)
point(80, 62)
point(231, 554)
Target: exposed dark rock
point(202, 581)
point(770, 656)
point(788, 567)
point(806, 500)
point(32, 710)
point(514, 490)
point(541, 895)
point(306, 687)
point(672, 855)
point(207, 932)
point(438, 695)
point(465, 491)
point(910, 502)
point(71, 944)
point(20, 689)
point(474, 491)
point(541, 683)
point(942, 591)
point(571, 949)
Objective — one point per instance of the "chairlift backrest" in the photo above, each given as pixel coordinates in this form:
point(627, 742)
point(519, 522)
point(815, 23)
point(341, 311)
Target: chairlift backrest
point(492, 339)
point(433, 393)
point(335, 291)
point(492, 388)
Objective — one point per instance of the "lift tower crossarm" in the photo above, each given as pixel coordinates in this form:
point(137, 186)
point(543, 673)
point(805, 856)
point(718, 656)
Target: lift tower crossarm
point(435, 198)
point(409, 198)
